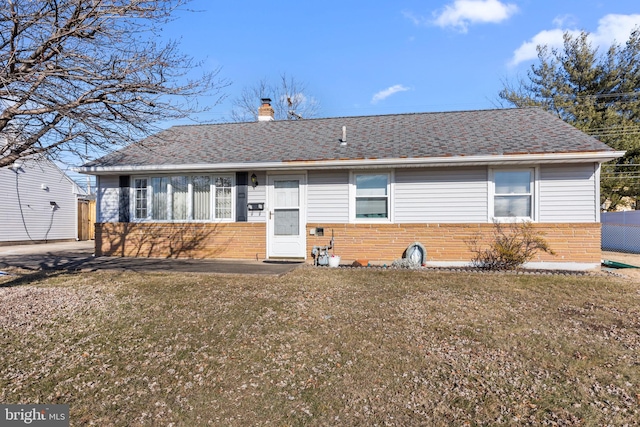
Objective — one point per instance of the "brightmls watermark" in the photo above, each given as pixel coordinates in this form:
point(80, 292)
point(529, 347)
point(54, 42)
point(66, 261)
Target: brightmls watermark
point(34, 415)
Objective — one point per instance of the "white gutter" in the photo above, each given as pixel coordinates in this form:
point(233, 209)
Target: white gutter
point(509, 159)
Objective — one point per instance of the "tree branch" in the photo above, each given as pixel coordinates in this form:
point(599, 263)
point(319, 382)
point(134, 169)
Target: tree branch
point(78, 73)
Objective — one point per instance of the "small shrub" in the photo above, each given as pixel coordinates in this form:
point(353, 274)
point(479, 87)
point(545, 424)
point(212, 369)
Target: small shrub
point(513, 244)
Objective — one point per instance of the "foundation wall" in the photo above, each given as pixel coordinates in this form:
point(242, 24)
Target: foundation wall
point(378, 243)
point(384, 243)
point(170, 240)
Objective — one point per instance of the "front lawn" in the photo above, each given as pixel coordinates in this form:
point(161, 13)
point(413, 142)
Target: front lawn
point(324, 347)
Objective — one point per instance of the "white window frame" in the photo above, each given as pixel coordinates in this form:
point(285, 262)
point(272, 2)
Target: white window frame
point(533, 193)
point(189, 199)
point(352, 196)
point(190, 207)
point(233, 196)
point(151, 197)
point(133, 197)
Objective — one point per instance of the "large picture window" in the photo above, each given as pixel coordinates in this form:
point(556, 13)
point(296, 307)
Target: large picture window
point(184, 198)
point(371, 196)
point(513, 194)
point(201, 197)
point(179, 198)
point(159, 191)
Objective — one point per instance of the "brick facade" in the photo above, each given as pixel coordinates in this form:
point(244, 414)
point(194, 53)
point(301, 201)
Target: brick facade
point(384, 243)
point(378, 243)
point(172, 240)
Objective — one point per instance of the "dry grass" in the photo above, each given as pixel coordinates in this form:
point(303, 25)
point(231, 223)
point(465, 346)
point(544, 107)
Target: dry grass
point(324, 347)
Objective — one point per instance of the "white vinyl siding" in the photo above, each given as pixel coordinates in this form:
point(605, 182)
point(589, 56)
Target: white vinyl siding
point(451, 195)
point(568, 193)
point(564, 193)
point(108, 198)
point(26, 212)
point(328, 196)
point(257, 194)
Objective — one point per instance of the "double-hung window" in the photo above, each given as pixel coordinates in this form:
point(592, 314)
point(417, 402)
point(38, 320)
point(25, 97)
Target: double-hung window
point(513, 195)
point(371, 196)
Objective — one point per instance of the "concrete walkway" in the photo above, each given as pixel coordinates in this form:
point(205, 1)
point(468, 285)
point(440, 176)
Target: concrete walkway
point(78, 256)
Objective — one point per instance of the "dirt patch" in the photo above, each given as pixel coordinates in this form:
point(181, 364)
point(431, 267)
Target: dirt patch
point(625, 258)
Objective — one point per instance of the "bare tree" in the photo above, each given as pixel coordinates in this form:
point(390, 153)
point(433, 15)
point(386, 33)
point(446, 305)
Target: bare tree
point(290, 100)
point(83, 76)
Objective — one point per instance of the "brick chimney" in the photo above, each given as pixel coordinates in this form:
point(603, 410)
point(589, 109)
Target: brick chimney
point(265, 112)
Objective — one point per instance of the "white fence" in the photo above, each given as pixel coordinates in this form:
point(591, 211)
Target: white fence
point(621, 231)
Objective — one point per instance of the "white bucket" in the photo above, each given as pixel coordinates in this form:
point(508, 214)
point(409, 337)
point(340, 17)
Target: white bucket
point(334, 261)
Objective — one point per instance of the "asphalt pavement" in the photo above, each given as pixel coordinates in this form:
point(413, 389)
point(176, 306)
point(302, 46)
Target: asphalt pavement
point(79, 256)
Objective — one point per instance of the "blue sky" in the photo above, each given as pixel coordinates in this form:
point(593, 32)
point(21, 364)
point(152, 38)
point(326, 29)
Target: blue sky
point(387, 57)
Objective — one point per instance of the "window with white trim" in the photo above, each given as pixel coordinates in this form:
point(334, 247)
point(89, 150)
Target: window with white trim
point(140, 198)
point(371, 196)
point(180, 198)
point(184, 198)
point(159, 192)
point(513, 193)
point(223, 202)
point(201, 197)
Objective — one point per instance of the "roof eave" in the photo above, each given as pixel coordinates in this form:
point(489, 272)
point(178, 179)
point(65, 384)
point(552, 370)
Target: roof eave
point(498, 160)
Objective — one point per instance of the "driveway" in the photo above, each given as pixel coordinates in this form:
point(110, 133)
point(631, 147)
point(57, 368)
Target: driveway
point(75, 256)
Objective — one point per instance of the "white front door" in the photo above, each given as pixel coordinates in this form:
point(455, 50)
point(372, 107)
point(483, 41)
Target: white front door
point(286, 226)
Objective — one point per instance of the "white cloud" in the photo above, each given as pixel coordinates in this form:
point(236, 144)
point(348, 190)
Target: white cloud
point(611, 28)
point(567, 20)
point(615, 28)
point(384, 94)
point(527, 50)
point(464, 12)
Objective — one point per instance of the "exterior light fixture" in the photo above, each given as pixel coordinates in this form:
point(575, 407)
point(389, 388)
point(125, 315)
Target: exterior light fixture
point(254, 180)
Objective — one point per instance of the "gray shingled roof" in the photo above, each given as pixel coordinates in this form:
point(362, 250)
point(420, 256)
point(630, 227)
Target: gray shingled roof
point(419, 135)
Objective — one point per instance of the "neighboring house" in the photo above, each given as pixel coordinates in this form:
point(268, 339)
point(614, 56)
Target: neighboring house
point(275, 189)
point(39, 203)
